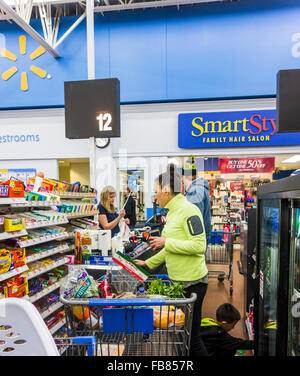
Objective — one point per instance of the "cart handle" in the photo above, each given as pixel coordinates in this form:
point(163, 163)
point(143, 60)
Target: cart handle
point(162, 276)
point(128, 302)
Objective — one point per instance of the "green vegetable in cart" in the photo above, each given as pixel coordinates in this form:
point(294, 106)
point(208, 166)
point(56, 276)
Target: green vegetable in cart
point(158, 287)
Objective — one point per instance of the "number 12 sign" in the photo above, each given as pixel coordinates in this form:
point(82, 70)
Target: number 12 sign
point(92, 108)
point(105, 120)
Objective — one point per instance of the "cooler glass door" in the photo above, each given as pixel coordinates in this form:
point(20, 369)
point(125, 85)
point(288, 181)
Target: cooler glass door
point(268, 276)
point(294, 286)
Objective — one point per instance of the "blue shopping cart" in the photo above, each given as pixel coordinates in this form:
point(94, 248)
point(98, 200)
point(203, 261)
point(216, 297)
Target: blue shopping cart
point(220, 252)
point(139, 326)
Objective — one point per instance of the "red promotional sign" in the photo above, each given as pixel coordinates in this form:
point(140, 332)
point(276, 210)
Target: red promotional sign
point(239, 165)
point(237, 186)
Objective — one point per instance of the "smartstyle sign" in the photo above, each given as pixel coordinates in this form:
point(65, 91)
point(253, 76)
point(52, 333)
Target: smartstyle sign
point(232, 129)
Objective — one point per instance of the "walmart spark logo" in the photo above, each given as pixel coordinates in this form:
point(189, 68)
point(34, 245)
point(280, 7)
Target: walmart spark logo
point(34, 55)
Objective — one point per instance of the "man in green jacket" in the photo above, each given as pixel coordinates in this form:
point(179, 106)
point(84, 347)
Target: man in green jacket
point(185, 242)
point(182, 247)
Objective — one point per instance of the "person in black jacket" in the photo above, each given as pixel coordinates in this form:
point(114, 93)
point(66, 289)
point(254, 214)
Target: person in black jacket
point(217, 340)
point(130, 208)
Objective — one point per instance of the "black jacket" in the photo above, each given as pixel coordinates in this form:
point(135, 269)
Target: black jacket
point(219, 343)
point(130, 211)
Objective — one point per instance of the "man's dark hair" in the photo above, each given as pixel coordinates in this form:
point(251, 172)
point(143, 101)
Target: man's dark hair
point(190, 172)
point(227, 312)
point(128, 189)
point(170, 178)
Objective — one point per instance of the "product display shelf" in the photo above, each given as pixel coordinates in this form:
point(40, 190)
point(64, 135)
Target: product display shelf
point(47, 223)
point(51, 309)
point(12, 234)
point(44, 204)
point(13, 273)
point(74, 195)
point(57, 326)
point(47, 253)
point(44, 292)
point(47, 268)
point(15, 205)
point(82, 214)
point(69, 235)
point(12, 200)
point(42, 239)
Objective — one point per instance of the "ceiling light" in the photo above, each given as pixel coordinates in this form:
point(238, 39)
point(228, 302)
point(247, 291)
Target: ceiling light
point(293, 159)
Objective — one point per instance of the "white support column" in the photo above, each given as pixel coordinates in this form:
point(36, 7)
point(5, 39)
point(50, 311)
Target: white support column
point(90, 42)
point(90, 39)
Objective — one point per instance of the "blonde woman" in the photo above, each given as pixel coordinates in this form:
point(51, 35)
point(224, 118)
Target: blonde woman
point(108, 217)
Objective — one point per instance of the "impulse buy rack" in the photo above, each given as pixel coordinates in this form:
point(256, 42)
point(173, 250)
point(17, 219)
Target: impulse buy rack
point(51, 257)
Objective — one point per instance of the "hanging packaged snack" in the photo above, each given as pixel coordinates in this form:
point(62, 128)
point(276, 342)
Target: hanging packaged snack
point(6, 261)
point(4, 189)
point(16, 288)
point(15, 188)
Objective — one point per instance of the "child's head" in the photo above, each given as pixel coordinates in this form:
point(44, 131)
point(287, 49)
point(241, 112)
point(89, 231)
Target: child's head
point(227, 316)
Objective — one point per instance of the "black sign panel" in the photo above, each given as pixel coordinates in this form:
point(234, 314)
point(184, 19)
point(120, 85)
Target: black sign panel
point(288, 101)
point(92, 108)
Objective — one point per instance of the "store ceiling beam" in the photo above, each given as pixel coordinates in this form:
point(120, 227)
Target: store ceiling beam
point(151, 4)
point(27, 28)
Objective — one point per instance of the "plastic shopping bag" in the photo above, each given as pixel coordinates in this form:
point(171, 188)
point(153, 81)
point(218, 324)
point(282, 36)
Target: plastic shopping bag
point(124, 230)
point(166, 317)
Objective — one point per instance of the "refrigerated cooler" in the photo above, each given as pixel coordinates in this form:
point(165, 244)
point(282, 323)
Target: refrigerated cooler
point(277, 306)
point(247, 265)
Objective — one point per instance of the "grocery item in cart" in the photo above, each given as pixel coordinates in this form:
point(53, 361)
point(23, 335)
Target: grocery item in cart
point(167, 316)
point(79, 284)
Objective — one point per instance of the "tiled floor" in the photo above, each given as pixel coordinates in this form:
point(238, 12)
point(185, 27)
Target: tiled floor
point(219, 293)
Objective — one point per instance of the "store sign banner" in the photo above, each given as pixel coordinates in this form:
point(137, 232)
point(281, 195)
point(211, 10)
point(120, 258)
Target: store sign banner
point(237, 186)
point(239, 165)
point(232, 129)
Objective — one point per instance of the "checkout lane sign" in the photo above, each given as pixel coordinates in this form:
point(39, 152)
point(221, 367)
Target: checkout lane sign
point(232, 129)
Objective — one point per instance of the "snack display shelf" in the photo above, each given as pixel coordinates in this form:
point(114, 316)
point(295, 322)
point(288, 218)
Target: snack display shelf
point(13, 273)
point(82, 214)
point(42, 239)
point(69, 235)
point(44, 292)
point(57, 326)
point(74, 194)
point(47, 223)
point(51, 309)
point(46, 269)
point(30, 204)
point(12, 234)
point(12, 200)
point(47, 253)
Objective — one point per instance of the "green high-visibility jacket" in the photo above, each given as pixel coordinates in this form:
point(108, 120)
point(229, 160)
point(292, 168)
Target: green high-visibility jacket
point(184, 250)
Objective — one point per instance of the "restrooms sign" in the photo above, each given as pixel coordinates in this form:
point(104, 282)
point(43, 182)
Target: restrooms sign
point(232, 129)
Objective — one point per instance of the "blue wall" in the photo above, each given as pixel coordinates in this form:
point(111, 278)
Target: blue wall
point(221, 50)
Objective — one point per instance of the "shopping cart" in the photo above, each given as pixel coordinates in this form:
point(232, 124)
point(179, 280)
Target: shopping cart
point(76, 346)
point(142, 326)
point(220, 252)
point(23, 332)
